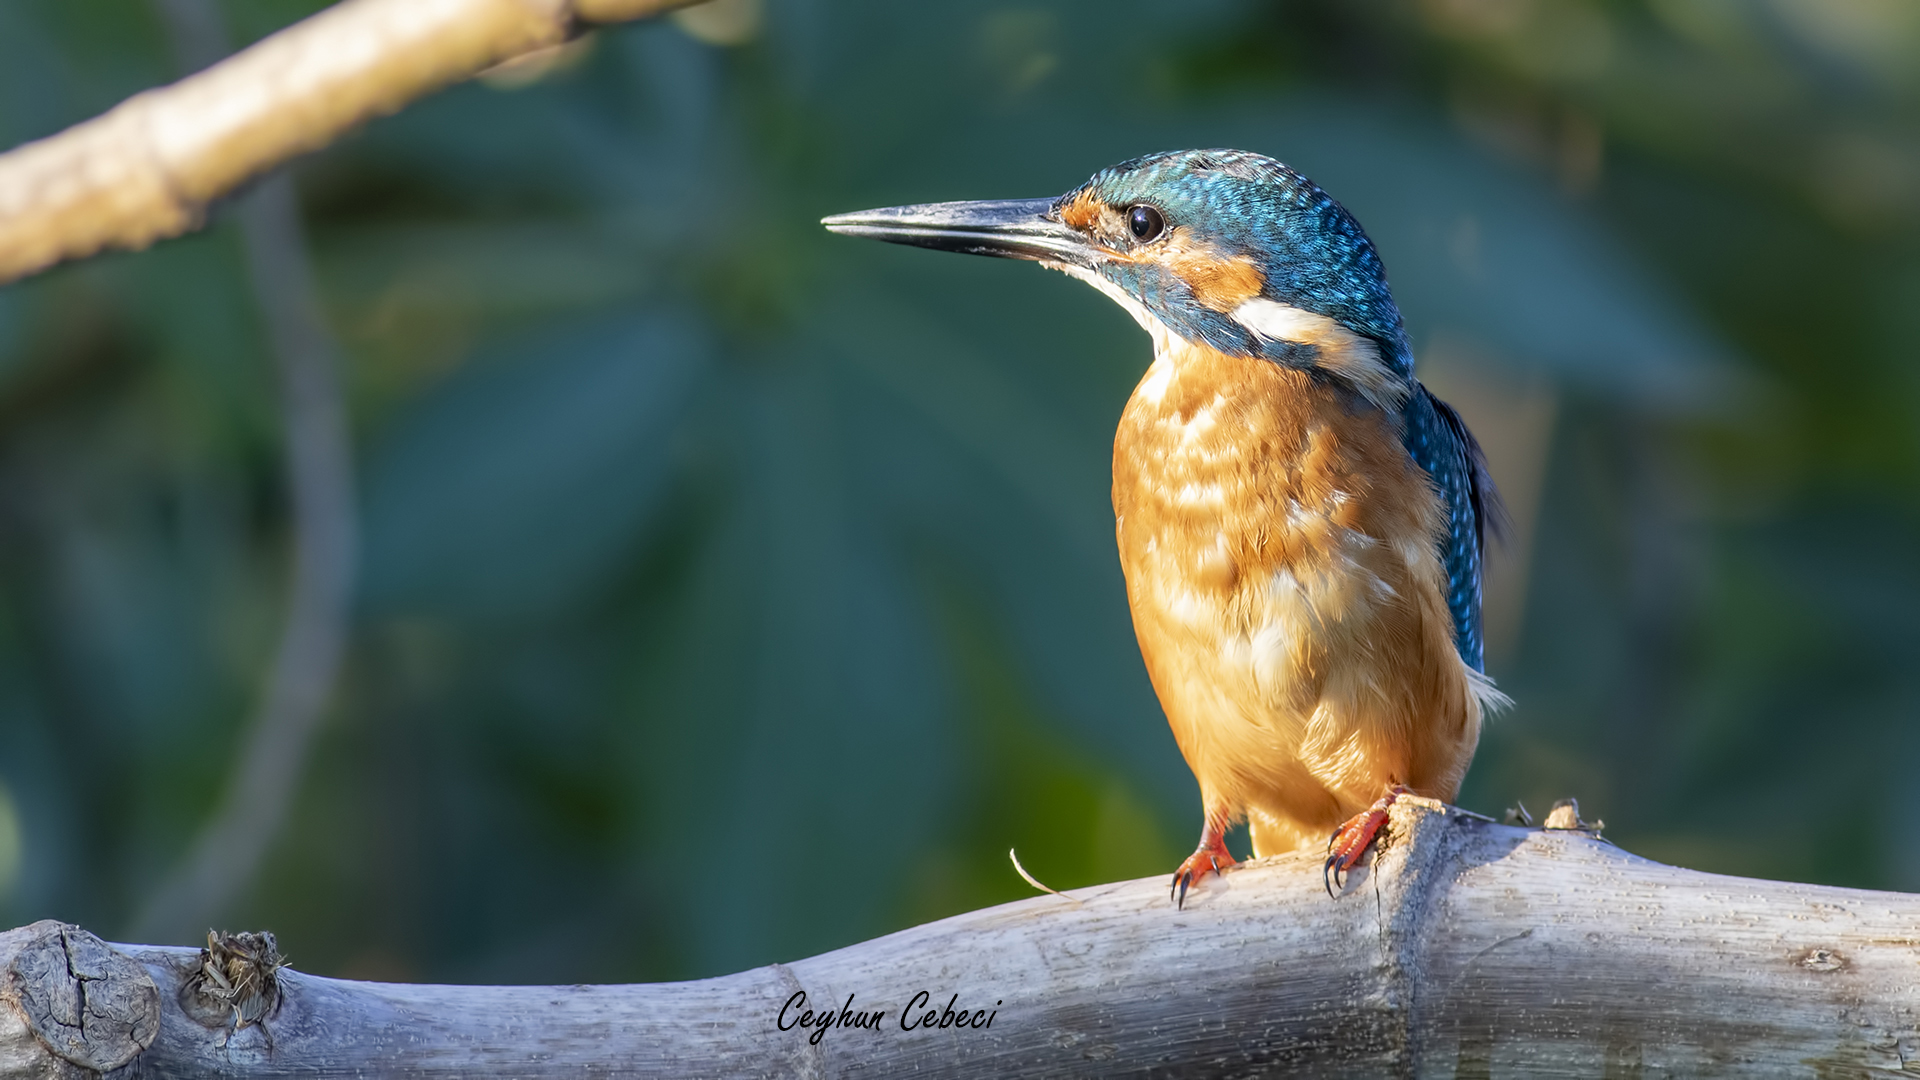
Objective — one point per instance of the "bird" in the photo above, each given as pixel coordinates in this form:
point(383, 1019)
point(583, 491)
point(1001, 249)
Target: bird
point(1301, 523)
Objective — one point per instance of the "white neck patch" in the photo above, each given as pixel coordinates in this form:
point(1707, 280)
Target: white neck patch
point(1163, 337)
point(1341, 351)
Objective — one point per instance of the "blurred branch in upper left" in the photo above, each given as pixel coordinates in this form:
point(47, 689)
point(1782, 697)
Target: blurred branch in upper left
point(147, 169)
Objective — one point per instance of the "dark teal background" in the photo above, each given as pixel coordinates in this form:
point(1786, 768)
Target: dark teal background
point(732, 591)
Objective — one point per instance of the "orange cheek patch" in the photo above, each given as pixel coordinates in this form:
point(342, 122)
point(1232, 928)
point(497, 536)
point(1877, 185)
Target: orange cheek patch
point(1225, 285)
point(1220, 284)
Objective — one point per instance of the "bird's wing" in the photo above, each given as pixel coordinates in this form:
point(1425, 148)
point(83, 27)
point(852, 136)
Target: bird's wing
point(1441, 444)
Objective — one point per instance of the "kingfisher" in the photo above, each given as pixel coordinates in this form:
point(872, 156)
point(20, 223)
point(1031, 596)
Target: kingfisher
point(1301, 523)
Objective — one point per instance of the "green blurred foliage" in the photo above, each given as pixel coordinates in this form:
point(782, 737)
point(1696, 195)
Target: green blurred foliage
point(732, 591)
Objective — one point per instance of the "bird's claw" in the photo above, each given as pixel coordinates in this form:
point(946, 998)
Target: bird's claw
point(1350, 841)
point(1202, 862)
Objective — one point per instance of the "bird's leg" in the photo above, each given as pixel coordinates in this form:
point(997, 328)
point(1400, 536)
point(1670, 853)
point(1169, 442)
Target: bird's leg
point(1351, 840)
point(1211, 856)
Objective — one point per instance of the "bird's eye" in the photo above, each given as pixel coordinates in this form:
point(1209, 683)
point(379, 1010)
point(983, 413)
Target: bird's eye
point(1145, 222)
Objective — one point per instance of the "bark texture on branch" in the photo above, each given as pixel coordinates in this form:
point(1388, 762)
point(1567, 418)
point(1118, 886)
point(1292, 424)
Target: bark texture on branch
point(1469, 949)
point(146, 169)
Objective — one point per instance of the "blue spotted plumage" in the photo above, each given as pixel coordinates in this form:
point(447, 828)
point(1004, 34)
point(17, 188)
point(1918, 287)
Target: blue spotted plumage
point(1300, 522)
point(1312, 253)
point(1440, 443)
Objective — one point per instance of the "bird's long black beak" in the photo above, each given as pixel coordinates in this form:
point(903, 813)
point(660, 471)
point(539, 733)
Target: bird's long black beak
point(1008, 228)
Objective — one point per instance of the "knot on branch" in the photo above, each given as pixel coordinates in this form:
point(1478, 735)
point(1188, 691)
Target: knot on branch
point(237, 983)
point(86, 1002)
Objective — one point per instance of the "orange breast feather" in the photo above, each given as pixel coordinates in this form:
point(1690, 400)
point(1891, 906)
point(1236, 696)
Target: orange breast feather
point(1280, 551)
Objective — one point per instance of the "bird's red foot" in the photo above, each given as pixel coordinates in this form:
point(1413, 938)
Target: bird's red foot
point(1211, 857)
point(1351, 840)
point(1204, 861)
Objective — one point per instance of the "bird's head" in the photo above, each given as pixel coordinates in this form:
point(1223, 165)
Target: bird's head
point(1221, 248)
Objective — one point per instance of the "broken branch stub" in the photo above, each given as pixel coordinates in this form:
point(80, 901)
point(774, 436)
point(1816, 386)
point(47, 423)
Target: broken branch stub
point(83, 1001)
point(238, 980)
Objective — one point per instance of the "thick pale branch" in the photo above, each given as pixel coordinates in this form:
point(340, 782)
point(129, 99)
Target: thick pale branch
point(1469, 949)
point(147, 169)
